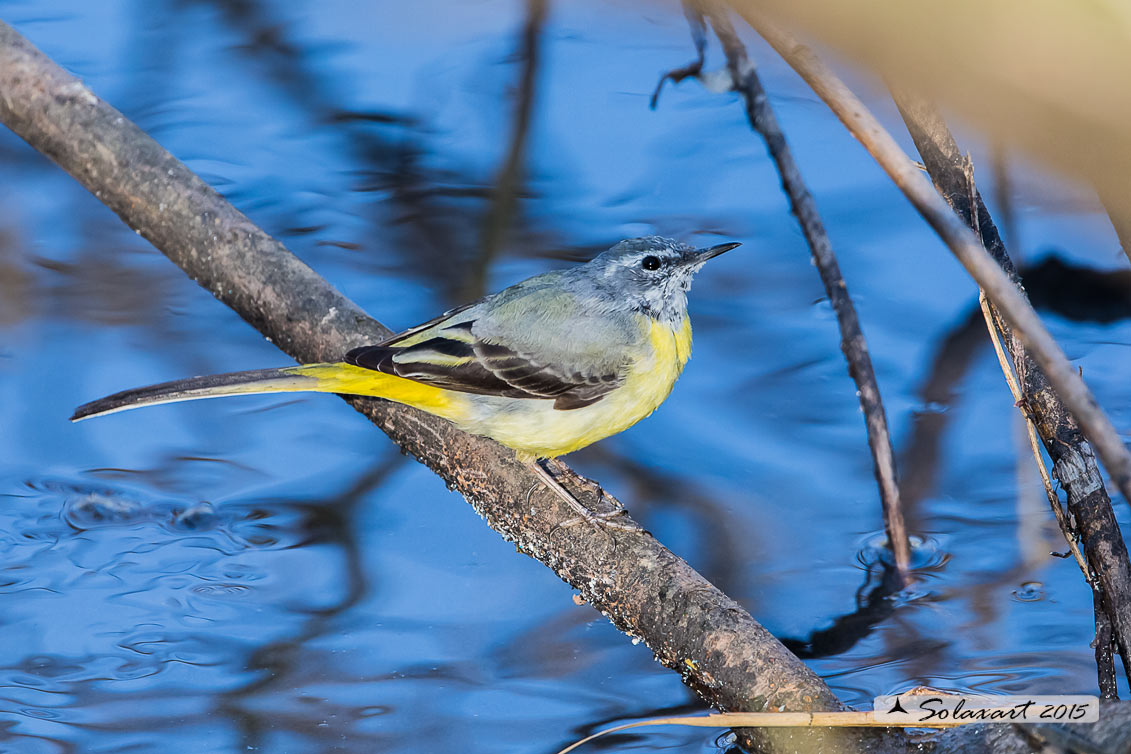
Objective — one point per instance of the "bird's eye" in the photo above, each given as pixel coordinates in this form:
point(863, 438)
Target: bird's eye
point(650, 262)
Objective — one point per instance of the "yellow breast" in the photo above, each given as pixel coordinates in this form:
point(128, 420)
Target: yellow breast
point(682, 341)
point(537, 430)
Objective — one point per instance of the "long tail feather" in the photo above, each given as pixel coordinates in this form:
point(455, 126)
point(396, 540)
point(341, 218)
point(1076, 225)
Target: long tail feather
point(285, 380)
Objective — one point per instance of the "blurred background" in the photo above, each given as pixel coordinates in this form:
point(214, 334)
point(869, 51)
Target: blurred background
point(270, 574)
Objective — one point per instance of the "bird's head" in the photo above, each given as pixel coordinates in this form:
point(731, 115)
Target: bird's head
point(651, 275)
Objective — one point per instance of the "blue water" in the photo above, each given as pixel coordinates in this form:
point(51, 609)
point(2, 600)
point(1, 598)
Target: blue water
point(270, 574)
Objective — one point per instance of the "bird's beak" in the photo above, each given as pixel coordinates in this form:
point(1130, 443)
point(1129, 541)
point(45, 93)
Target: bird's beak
point(699, 256)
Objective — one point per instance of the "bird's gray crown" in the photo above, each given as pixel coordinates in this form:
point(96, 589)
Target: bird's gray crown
point(650, 275)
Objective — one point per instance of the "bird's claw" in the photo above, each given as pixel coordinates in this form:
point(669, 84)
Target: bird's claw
point(601, 518)
point(598, 519)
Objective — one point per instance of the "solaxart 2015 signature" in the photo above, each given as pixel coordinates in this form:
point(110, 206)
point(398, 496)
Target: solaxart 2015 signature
point(933, 708)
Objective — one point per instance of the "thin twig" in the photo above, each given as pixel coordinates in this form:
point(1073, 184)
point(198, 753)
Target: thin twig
point(1034, 444)
point(960, 239)
point(1003, 202)
point(1010, 302)
point(695, 67)
point(853, 344)
point(1019, 398)
point(1091, 518)
point(850, 718)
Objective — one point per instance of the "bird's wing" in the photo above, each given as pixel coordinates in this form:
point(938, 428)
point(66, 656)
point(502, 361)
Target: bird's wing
point(406, 337)
point(527, 342)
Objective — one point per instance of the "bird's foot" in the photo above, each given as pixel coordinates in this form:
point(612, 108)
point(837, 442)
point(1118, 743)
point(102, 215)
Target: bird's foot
point(600, 518)
point(597, 518)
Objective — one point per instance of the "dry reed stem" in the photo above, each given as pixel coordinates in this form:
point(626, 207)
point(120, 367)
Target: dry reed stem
point(959, 239)
point(1034, 443)
point(1104, 546)
point(853, 344)
point(1019, 398)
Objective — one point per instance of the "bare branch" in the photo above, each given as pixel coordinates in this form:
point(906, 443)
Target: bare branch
point(717, 647)
point(853, 344)
point(1075, 465)
point(960, 239)
point(695, 67)
point(1003, 289)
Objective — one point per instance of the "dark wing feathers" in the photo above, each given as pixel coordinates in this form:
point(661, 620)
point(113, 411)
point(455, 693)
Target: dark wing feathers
point(468, 364)
point(459, 371)
point(521, 371)
point(588, 392)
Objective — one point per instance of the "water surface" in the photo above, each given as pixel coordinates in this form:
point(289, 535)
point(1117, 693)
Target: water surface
point(270, 574)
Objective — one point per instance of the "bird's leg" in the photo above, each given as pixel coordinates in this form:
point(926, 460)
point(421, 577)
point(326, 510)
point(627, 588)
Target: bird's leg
point(597, 519)
point(618, 506)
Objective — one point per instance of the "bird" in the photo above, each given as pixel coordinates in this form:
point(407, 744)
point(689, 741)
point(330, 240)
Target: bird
point(545, 367)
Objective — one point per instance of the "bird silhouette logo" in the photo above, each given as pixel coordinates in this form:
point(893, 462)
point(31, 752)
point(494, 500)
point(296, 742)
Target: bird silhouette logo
point(897, 707)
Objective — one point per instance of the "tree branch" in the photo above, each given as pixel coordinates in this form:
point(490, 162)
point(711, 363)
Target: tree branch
point(1075, 464)
point(852, 342)
point(717, 647)
point(960, 239)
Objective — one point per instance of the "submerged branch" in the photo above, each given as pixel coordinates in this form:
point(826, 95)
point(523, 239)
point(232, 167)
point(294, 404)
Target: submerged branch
point(1074, 463)
point(1000, 289)
point(853, 344)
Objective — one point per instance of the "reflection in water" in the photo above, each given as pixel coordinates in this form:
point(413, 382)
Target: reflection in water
point(270, 575)
point(508, 181)
point(134, 587)
point(282, 663)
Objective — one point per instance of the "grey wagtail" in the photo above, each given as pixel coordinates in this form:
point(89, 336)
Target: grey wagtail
point(545, 367)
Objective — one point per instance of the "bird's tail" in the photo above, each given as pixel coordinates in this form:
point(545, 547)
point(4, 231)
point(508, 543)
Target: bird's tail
point(320, 378)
